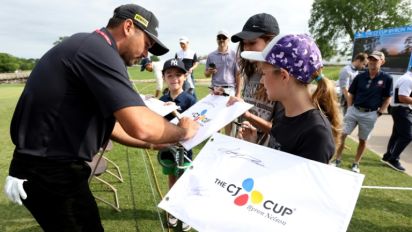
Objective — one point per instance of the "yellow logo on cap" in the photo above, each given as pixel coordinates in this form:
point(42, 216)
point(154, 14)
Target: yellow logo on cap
point(141, 20)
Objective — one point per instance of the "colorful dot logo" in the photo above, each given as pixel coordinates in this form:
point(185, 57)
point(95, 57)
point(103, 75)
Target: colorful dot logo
point(201, 116)
point(255, 196)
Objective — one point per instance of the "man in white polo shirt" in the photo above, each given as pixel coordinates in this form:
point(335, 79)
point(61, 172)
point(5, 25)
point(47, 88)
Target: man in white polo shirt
point(190, 60)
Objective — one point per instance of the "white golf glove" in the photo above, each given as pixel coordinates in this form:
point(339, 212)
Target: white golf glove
point(14, 189)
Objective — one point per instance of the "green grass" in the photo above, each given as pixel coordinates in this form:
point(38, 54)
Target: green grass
point(376, 210)
point(332, 72)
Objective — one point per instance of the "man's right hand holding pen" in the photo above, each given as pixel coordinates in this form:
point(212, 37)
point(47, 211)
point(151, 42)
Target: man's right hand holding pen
point(187, 123)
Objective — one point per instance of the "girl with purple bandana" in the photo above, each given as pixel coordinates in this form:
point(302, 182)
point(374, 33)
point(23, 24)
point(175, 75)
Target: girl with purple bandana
point(311, 124)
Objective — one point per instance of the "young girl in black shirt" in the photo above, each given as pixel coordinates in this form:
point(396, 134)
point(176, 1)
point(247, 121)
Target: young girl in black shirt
point(311, 124)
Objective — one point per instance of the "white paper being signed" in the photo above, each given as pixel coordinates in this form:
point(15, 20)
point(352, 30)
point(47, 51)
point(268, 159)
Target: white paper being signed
point(159, 107)
point(212, 114)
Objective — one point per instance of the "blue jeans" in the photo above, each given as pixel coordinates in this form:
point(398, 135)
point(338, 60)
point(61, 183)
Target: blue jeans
point(401, 132)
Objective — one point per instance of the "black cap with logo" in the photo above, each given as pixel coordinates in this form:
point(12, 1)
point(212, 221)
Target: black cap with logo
point(256, 26)
point(146, 21)
point(174, 63)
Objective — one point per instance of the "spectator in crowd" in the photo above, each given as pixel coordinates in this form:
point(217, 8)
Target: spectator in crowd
point(369, 96)
point(257, 32)
point(310, 126)
point(76, 98)
point(221, 65)
point(401, 112)
point(174, 74)
point(347, 74)
point(189, 58)
point(155, 67)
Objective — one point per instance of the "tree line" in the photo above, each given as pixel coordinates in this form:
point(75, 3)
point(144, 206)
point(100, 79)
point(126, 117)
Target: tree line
point(334, 22)
point(9, 63)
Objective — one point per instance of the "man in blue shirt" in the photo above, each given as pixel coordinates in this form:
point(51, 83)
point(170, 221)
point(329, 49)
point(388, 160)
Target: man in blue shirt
point(369, 95)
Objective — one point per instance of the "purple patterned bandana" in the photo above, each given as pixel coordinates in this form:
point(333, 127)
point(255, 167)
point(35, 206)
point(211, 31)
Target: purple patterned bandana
point(298, 54)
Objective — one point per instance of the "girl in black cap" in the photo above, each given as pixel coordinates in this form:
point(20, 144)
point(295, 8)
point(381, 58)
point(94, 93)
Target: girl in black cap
point(257, 32)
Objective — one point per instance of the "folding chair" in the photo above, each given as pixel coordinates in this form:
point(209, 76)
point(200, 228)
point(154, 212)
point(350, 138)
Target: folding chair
point(99, 166)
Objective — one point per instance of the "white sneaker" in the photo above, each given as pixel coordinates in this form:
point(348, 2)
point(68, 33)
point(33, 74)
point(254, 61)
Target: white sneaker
point(336, 163)
point(355, 168)
point(185, 227)
point(171, 220)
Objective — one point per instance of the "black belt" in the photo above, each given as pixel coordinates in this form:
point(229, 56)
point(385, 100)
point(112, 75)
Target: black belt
point(362, 109)
point(225, 86)
point(403, 108)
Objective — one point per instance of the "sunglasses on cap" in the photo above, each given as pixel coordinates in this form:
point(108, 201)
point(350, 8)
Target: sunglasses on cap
point(221, 37)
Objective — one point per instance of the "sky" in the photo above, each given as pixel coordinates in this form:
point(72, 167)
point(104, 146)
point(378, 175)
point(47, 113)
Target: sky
point(28, 29)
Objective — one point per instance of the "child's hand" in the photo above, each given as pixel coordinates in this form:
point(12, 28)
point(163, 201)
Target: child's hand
point(247, 132)
point(232, 100)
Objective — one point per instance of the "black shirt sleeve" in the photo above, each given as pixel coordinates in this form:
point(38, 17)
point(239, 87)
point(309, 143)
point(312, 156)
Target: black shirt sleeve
point(106, 76)
point(316, 145)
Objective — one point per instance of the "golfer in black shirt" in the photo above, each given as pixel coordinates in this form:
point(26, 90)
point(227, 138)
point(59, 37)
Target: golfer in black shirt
point(76, 98)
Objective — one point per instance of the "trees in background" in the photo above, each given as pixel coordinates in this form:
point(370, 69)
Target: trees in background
point(9, 63)
point(336, 21)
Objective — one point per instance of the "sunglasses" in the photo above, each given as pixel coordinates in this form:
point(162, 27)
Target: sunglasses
point(221, 37)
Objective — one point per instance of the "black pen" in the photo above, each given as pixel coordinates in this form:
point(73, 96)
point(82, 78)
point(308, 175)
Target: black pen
point(240, 124)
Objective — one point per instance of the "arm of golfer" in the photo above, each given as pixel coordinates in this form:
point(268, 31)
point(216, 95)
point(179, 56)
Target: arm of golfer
point(141, 123)
point(120, 136)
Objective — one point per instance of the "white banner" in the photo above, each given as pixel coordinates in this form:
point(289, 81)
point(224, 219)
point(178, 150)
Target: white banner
point(212, 114)
point(237, 186)
point(158, 106)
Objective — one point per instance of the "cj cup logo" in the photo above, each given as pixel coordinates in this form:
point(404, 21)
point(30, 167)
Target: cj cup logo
point(256, 197)
point(201, 117)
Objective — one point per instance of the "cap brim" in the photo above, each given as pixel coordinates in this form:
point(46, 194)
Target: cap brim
point(376, 57)
point(181, 69)
point(158, 48)
point(255, 56)
point(246, 35)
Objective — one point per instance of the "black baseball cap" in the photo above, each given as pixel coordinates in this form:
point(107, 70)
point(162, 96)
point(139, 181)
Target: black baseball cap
point(174, 63)
point(256, 26)
point(146, 21)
